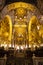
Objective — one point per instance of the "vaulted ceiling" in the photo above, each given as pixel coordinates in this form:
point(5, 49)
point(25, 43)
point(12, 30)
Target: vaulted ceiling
point(37, 3)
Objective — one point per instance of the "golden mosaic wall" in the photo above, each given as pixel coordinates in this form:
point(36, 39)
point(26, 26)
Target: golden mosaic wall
point(21, 24)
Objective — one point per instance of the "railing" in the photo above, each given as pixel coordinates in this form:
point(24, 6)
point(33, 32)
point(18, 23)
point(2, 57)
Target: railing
point(37, 60)
point(3, 60)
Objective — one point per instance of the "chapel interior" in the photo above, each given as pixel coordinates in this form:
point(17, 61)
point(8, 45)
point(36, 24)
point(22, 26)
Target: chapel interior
point(21, 32)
